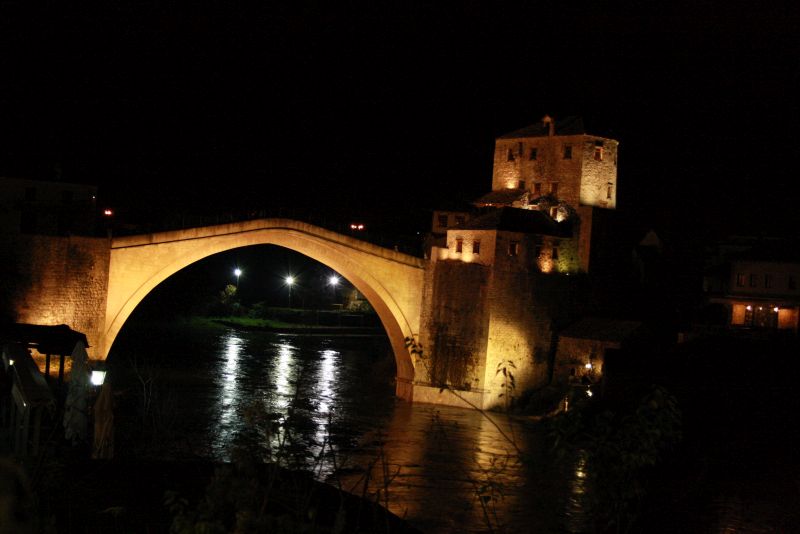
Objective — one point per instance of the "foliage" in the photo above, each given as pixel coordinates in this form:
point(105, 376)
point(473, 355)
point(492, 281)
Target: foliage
point(618, 449)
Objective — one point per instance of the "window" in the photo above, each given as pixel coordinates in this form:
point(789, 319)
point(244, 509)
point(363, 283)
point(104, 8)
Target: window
point(533, 154)
point(567, 152)
point(513, 248)
point(554, 188)
point(598, 153)
point(554, 254)
point(510, 155)
point(609, 191)
point(538, 251)
point(442, 221)
point(537, 188)
point(460, 220)
point(459, 245)
point(740, 279)
point(767, 280)
point(521, 184)
point(476, 247)
point(554, 212)
point(753, 280)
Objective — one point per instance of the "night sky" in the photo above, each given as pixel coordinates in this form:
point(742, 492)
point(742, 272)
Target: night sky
point(385, 110)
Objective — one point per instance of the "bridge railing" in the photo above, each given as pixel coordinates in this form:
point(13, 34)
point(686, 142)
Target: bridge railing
point(408, 244)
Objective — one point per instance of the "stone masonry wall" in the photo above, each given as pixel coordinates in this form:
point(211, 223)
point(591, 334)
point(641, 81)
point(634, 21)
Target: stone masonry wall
point(63, 280)
point(454, 324)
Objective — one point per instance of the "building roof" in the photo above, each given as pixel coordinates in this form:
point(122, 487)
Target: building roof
point(501, 196)
point(567, 126)
point(518, 220)
point(601, 329)
point(60, 339)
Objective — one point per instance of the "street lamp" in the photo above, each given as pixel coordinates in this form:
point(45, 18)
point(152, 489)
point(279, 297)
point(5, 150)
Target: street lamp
point(290, 282)
point(333, 281)
point(238, 273)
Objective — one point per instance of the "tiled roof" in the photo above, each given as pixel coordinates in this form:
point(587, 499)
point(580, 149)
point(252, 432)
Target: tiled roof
point(567, 126)
point(501, 196)
point(518, 220)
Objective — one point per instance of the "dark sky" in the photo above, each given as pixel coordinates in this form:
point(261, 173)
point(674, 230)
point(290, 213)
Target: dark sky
point(387, 108)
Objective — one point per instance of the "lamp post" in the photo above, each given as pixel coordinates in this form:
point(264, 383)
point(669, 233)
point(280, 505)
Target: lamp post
point(237, 272)
point(290, 282)
point(333, 281)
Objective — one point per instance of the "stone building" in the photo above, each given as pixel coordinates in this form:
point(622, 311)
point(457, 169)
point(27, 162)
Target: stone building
point(46, 208)
point(499, 280)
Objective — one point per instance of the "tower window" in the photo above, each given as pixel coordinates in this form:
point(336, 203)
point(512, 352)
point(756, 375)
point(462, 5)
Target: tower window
point(476, 247)
point(554, 188)
point(609, 192)
point(510, 155)
point(533, 154)
point(537, 188)
point(513, 248)
point(459, 245)
point(567, 152)
point(598, 153)
point(442, 221)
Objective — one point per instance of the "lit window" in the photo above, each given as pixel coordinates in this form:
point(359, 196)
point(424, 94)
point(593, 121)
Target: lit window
point(513, 248)
point(598, 153)
point(567, 152)
point(554, 188)
point(753, 280)
point(740, 280)
point(510, 155)
point(459, 245)
point(537, 189)
point(534, 154)
point(442, 221)
point(554, 212)
point(476, 247)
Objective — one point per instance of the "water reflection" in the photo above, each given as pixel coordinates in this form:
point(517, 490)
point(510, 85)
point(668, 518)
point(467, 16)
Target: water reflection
point(229, 379)
point(284, 376)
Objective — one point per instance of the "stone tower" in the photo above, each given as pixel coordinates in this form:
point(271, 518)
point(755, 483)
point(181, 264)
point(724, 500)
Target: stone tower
point(554, 159)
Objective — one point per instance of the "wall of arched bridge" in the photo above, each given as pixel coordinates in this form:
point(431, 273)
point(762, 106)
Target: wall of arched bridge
point(391, 281)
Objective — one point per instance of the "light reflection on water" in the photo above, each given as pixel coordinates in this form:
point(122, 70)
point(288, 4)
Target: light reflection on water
point(446, 469)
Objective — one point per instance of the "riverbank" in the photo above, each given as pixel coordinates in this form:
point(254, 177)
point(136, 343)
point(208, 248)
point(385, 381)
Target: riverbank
point(281, 327)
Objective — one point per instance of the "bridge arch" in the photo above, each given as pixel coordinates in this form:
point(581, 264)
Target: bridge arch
point(389, 280)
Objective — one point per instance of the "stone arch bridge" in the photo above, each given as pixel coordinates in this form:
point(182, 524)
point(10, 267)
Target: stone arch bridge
point(391, 281)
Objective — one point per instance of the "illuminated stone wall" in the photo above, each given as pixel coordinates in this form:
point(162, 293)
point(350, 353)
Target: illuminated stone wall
point(582, 179)
point(63, 280)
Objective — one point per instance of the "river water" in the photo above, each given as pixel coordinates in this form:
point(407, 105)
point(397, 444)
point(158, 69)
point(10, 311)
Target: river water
point(327, 403)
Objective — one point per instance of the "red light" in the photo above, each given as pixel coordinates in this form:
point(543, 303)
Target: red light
point(108, 212)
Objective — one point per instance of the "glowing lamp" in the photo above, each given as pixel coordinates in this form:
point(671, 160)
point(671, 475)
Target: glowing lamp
point(108, 213)
point(97, 377)
point(589, 393)
point(237, 272)
point(775, 309)
point(749, 308)
point(333, 280)
point(588, 365)
point(289, 280)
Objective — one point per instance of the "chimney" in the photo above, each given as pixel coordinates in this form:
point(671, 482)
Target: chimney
point(547, 122)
